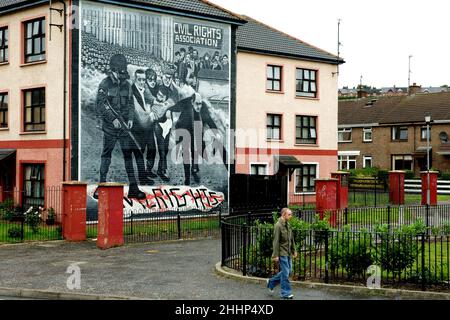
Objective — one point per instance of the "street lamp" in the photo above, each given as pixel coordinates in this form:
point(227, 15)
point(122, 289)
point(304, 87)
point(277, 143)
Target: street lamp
point(428, 120)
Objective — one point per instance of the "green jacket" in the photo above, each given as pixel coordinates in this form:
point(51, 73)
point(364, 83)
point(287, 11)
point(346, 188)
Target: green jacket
point(283, 240)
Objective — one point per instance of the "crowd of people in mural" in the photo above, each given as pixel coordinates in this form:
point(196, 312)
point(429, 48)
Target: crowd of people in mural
point(188, 62)
point(137, 110)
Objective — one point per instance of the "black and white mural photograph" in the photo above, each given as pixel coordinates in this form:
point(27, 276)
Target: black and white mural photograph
point(155, 108)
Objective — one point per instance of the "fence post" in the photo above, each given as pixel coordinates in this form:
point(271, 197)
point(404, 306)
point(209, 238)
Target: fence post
point(131, 223)
point(22, 236)
point(179, 225)
point(375, 190)
point(389, 216)
point(326, 257)
point(423, 262)
point(244, 249)
point(222, 227)
point(346, 215)
point(427, 217)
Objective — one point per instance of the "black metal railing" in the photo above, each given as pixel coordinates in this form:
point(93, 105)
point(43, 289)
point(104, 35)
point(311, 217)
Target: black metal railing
point(393, 258)
point(24, 220)
point(141, 226)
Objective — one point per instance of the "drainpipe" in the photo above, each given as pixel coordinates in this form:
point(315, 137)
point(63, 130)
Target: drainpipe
point(64, 29)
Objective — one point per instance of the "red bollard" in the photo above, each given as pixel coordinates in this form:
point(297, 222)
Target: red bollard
point(397, 187)
point(110, 215)
point(74, 215)
point(433, 187)
point(342, 188)
point(326, 198)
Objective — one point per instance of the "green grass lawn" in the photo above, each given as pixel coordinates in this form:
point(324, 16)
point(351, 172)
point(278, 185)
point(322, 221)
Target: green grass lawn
point(369, 199)
point(44, 232)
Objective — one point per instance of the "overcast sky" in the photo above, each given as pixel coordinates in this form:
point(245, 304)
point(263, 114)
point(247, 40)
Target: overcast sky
point(377, 36)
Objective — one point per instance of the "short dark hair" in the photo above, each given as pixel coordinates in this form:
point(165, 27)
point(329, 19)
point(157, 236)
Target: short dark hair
point(150, 73)
point(177, 53)
point(139, 71)
point(183, 50)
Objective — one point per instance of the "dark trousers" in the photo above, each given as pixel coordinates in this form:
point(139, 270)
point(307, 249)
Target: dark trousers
point(109, 142)
point(146, 140)
point(163, 147)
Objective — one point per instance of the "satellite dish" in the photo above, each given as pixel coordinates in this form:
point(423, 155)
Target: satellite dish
point(443, 136)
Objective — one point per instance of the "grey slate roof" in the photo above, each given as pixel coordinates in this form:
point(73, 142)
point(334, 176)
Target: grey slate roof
point(396, 109)
point(256, 36)
point(199, 7)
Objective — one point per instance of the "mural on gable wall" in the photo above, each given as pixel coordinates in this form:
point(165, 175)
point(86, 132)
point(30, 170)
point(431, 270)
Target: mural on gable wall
point(155, 106)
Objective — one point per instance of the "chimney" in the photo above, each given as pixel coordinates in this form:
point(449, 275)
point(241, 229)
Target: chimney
point(414, 89)
point(362, 92)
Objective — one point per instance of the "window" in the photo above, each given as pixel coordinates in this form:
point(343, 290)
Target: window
point(306, 130)
point(367, 135)
point(273, 127)
point(423, 133)
point(3, 110)
point(34, 185)
point(399, 133)
point(305, 178)
point(34, 40)
point(346, 162)
point(34, 110)
point(402, 162)
point(4, 54)
point(306, 83)
point(258, 169)
point(273, 78)
point(345, 135)
point(367, 162)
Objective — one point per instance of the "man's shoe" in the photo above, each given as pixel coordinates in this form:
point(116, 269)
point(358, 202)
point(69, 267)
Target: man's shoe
point(289, 297)
point(163, 177)
point(196, 177)
point(270, 290)
point(151, 174)
point(135, 193)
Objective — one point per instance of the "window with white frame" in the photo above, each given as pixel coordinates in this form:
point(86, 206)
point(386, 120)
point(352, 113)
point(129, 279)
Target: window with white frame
point(367, 162)
point(346, 162)
point(345, 135)
point(400, 133)
point(367, 134)
point(305, 178)
point(402, 162)
point(259, 169)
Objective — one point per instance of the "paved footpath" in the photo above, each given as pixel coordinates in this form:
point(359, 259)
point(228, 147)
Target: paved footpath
point(170, 271)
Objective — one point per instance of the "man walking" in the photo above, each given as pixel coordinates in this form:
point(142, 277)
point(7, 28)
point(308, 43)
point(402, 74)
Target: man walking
point(283, 248)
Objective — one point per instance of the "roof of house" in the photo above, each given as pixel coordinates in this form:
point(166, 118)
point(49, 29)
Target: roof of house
point(199, 7)
point(395, 109)
point(256, 36)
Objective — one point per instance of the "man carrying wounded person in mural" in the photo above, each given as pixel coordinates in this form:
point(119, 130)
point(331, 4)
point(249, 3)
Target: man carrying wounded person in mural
point(143, 128)
point(190, 131)
point(115, 106)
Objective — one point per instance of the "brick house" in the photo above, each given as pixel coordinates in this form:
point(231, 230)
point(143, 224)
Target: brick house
point(286, 108)
point(391, 133)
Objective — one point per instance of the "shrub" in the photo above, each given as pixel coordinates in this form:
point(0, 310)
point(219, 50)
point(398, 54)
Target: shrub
point(319, 226)
point(398, 249)
point(445, 175)
point(33, 219)
point(351, 251)
point(409, 174)
point(300, 230)
point(15, 232)
point(264, 238)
